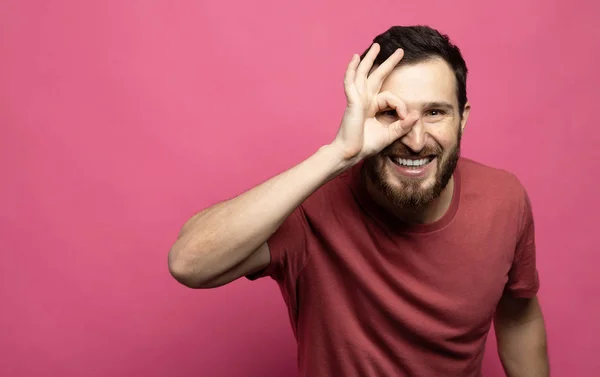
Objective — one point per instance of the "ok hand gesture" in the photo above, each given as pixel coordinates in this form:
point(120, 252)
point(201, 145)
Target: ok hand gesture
point(361, 134)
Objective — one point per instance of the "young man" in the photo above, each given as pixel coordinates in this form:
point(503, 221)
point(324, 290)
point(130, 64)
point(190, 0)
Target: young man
point(394, 254)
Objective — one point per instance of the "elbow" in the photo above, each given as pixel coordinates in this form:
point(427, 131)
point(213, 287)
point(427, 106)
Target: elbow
point(184, 271)
point(184, 276)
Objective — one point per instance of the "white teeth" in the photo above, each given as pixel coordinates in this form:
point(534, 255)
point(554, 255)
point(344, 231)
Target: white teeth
point(415, 163)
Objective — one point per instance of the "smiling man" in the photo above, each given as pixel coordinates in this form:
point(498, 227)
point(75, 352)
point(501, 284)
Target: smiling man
point(393, 253)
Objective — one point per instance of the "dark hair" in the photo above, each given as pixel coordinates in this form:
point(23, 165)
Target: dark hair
point(421, 43)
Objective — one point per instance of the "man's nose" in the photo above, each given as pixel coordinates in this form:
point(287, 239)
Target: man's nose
point(416, 138)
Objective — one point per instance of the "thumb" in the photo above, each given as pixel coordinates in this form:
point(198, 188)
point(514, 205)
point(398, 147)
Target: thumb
point(403, 126)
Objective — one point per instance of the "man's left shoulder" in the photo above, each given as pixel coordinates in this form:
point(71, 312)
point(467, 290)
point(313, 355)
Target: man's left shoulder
point(493, 181)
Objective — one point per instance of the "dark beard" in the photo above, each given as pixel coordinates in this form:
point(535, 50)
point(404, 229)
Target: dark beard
point(411, 196)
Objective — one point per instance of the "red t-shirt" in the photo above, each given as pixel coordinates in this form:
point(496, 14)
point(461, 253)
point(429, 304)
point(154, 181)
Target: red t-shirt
point(368, 295)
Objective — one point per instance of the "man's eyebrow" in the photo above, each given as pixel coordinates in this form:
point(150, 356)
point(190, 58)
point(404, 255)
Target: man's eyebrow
point(438, 105)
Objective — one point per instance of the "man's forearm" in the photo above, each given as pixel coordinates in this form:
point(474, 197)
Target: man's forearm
point(521, 336)
point(525, 355)
point(218, 238)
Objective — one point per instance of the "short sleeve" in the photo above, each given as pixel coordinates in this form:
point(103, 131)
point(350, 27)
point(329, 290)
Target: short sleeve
point(287, 248)
point(523, 280)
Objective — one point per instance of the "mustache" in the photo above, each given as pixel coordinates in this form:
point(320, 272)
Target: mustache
point(401, 150)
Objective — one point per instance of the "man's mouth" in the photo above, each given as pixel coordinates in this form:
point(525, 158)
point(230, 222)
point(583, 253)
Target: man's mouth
point(411, 162)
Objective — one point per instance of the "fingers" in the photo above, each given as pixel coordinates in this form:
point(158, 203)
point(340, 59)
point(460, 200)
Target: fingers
point(403, 126)
point(367, 63)
point(350, 75)
point(351, 69)
point(386, 100)
point(410, 120)
point(383, 71)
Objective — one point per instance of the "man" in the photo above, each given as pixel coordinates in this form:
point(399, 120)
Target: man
point(394, 255)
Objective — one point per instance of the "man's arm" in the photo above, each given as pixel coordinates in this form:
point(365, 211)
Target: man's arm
point(218, 244)
point(228, 240)
point(521, 337)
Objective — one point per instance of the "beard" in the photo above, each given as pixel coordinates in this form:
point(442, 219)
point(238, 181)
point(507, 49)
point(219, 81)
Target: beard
point(411, 195)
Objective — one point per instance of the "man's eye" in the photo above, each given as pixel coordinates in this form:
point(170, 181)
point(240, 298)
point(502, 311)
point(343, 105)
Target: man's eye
point(435, 112)
point(389, 113)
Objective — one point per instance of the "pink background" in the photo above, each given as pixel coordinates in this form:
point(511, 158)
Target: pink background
point(120, 119)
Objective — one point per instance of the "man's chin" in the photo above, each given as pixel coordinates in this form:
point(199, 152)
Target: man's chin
point(409, 196)
point(403, 192)
point(409, 191)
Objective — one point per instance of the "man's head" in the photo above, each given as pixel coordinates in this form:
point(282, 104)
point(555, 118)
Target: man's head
point(431, 80)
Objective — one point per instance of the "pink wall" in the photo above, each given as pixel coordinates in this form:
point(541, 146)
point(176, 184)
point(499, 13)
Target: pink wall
point(120, 119)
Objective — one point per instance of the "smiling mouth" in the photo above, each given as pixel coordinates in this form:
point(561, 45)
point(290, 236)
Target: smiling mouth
point(411, 162)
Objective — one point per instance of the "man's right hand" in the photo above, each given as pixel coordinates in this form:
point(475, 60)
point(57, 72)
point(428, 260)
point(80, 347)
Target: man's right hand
point(361, 134)
point(228, 240)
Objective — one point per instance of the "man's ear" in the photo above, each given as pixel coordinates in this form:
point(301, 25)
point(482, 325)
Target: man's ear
point(465, 116)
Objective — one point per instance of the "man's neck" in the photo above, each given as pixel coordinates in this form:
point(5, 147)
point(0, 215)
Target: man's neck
point(427, 214)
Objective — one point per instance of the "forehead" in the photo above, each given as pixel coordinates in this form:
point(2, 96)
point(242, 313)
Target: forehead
point(428, 81)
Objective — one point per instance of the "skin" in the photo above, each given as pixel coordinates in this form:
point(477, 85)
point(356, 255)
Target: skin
point(521, 337)
point(427, 90)
point(388, 112)
point(228, 240)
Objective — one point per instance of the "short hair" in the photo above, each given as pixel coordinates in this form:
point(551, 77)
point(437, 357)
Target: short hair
point(422, 43)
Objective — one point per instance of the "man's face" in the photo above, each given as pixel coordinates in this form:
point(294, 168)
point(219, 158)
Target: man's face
point(416, 168)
